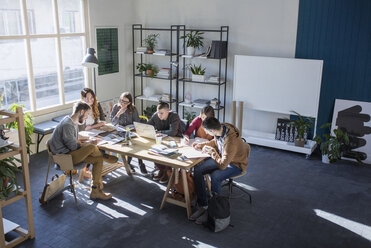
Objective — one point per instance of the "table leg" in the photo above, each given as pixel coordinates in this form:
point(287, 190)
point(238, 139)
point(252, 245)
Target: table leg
point(186, 192)
point(127, 167)
point(171, 179)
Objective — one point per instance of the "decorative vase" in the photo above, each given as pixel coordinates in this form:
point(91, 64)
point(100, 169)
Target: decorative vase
point(198, 78)
point(299, 142)
point(325, 159)
point(190, 51)
point(188, 98)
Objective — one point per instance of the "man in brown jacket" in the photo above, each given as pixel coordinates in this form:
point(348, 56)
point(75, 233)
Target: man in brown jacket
point(228, 158)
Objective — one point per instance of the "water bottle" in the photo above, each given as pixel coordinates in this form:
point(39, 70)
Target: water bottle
point(127, 136)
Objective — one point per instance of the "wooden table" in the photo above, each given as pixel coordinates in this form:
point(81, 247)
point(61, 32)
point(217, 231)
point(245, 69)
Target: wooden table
point(139, 149)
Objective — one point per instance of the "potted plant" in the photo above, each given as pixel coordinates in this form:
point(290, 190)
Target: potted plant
point(142, 68)
point(193, 40)
point(332, 147)
point(302, 125)
point(189, 116)
point(28, 125)
point(151, 70)
point(149, 111)
point(198, 74)
point(151, 41)
point(8, 170)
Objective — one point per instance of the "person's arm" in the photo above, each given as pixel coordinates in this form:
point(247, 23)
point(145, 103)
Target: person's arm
point(174, 125)
point(102, 116)
point(152, 120)
point(229, 152)
point(135, 115)
point(114, 119)
point(97, 125)
point(69, 137)
point(195, 124)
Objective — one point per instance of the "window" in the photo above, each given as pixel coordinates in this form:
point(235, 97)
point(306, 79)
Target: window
point(41, 65)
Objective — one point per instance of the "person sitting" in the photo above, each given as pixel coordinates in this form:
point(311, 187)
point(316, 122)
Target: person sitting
point(228, 158)
point(65, 140)
point(195, 125)
point(96, 118)
point(125, 113)
point(166, 122)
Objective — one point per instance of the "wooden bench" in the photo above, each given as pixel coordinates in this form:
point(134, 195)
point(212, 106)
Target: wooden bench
point(43, 129)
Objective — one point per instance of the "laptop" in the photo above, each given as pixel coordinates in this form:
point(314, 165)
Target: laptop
point(145, 130)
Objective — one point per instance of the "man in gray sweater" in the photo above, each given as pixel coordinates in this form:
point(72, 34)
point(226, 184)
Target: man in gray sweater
point(65, 140)
point(167, 122)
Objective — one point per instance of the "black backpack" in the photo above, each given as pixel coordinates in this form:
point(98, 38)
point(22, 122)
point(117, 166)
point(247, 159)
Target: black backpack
point(218, 212)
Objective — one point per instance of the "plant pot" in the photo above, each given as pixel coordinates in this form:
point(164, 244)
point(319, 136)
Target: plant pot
point(149, 72)
point(150, 51)
point(325, 159)
point(299, 142)
point(190, 51)
point(198, 78)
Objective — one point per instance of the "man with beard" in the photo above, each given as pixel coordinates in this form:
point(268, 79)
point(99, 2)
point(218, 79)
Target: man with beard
point(65, 140)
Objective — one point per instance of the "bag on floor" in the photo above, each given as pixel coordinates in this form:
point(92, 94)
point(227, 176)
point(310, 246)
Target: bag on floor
point(55, 186)
point(177, 190)
point(218, 213)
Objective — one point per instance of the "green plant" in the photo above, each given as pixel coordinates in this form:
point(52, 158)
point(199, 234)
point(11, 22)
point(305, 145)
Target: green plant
point(302, 124)
point(149, 111)
point(141, 67)
point(28, 125)
point(333, 146)
point(197, 70)
point(193, 39)
point(189, 116)
point(8, 170)
point(151, 41)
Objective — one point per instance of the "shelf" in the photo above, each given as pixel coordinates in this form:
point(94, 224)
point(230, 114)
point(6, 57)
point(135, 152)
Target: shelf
point(188, 80)
point(12, 199)
point(141, 75)
point(153, 99)
point(192, 105)
point(14, 150)
point(165, 55)
point(198, 57)
point(267, 139)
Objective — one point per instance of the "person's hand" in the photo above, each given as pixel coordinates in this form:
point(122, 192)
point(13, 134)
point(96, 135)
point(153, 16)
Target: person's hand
point(121, 111)
point(196, 146)
point(207, 149)
point(186, 139)
point(88, 127)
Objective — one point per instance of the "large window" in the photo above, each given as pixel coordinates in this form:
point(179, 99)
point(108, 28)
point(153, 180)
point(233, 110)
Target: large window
point(42, 43)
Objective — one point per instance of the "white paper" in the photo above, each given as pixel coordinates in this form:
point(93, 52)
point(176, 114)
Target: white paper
point(91, 133)
point(193, 153)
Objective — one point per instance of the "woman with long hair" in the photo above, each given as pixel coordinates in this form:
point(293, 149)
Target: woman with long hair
point(196, 126)
point(96, 117)
point(125, 113)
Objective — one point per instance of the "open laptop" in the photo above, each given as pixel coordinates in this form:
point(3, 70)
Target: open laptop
point(145, 130)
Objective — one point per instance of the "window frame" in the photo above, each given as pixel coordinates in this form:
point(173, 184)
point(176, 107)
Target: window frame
point(27, 37)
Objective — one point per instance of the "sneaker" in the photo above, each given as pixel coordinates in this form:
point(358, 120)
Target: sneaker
point(143, 169)
point(200, 211)
point(202, 219)
point(159, 175)
point(164, 178)
point(98, 194)
point(132, 168)
point(109, 158)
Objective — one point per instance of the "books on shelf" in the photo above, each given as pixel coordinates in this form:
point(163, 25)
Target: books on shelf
point(165, 97)
point(201, 102)
point(141, 49)
point(213, 79)
point(161, 52)
point(165, 73)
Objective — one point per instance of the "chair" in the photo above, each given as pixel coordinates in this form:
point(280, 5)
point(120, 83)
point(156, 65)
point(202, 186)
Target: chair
point(230, 183)
point(65, 163)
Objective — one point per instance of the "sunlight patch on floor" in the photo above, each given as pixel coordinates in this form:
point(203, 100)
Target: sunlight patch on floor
point(358, 228)
point(128, 206)
point(198, 244)
point(109, 212)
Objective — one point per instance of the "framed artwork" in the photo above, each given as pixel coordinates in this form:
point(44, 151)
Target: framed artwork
point(354, 117)
point(107, 50)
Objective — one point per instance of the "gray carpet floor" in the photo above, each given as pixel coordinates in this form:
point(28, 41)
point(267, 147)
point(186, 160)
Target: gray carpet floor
point(296, 203)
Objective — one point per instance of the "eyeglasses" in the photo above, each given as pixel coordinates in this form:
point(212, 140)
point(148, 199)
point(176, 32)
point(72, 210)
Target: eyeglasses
point(124, 102)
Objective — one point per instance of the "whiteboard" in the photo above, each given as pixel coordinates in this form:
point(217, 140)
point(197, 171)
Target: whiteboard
point(278, 84)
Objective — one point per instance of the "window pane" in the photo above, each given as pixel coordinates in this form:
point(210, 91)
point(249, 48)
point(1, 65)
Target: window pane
point(10, 17)
point(73, 73)
point(13, 74)
point(40, 16)
point(69, 12)
point(44, 60)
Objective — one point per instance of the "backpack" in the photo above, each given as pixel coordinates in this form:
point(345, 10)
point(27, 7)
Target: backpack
point(177, 190)
point(218, 213)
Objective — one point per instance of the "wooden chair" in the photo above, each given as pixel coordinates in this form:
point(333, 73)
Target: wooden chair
point(65, 162)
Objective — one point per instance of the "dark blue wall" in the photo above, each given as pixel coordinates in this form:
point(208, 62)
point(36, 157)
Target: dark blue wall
point(339, 33)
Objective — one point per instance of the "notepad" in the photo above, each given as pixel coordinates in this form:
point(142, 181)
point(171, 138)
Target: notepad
point(193, 153)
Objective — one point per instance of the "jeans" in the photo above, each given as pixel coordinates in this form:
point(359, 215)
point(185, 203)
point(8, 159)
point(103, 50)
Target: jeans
point(208, 166)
